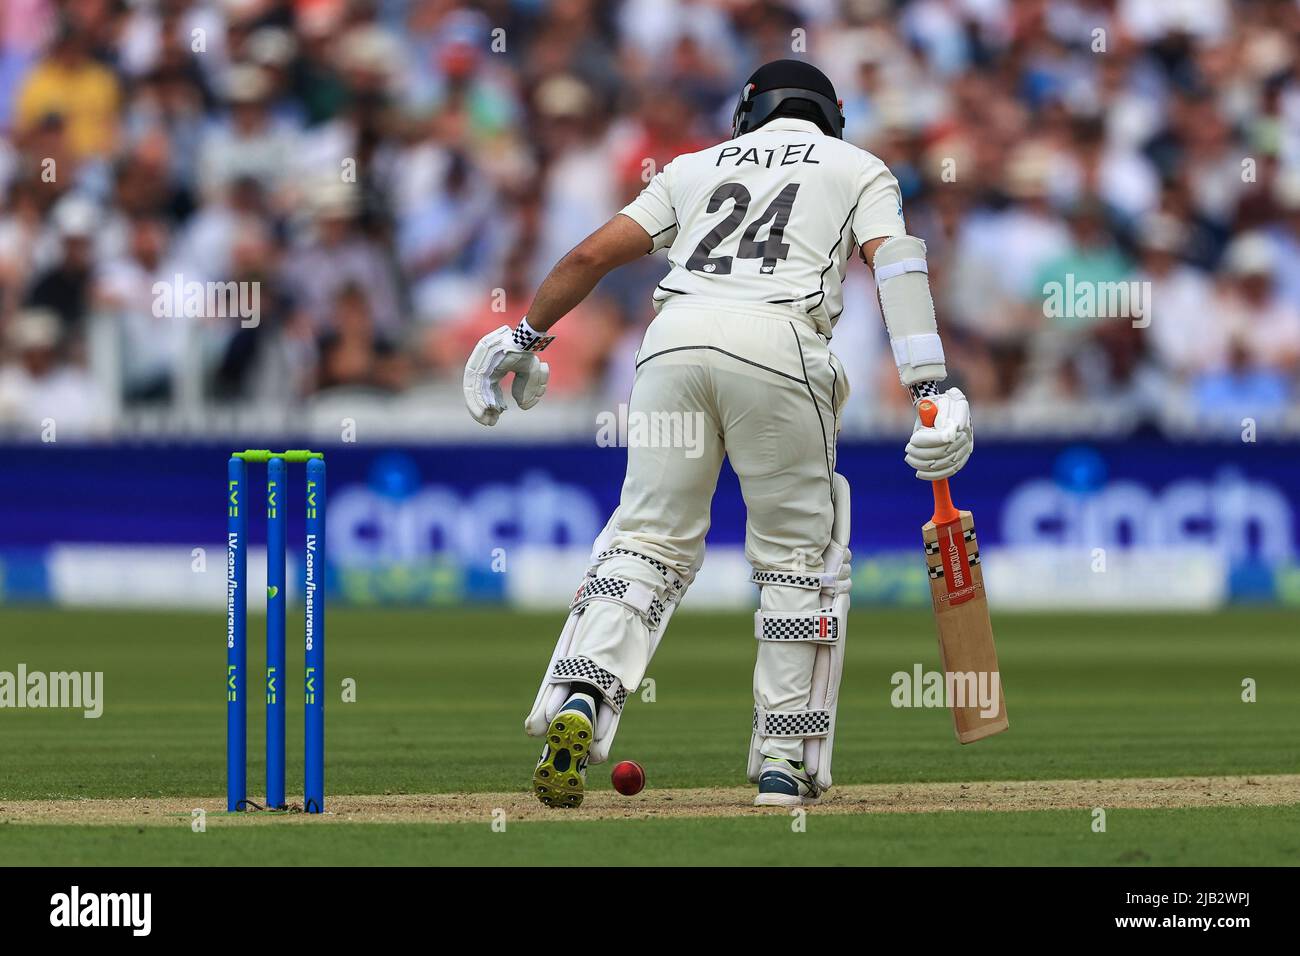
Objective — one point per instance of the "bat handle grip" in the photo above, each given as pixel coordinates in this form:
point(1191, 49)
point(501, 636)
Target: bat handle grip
point(944, 510)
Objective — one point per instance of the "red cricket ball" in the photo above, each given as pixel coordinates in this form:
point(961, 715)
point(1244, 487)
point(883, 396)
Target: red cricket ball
point(628, 777)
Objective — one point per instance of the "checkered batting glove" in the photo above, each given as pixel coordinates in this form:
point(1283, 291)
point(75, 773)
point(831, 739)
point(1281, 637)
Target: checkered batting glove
point(528, 339)
point(923, 390)
point(497, 355)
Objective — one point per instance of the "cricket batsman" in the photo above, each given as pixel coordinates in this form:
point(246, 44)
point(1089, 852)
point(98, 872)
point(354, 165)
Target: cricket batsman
point(759, 231)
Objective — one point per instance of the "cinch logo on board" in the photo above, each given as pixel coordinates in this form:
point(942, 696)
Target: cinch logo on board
point(371, 529)
point(1245, 518)
point(75, 908)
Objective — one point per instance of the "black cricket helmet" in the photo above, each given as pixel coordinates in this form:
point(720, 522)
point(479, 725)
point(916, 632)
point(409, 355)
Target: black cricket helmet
point(788, 88)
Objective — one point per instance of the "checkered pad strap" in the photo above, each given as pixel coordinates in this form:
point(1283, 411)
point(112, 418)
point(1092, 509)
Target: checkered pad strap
point(584, 669)
point(631, 594)
point(675, 584)
point(821, 626)
point(792, 723)
point(790, 579)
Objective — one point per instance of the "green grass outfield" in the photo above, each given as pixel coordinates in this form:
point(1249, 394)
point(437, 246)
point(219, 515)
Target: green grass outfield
point(440, 699)
point(1258, 836)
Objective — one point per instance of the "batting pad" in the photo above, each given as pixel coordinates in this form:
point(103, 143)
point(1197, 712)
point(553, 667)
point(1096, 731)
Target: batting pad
point(654, 612)
point(826, 627)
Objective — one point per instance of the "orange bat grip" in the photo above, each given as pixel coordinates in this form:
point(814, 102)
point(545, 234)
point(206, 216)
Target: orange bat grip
point(944, 511)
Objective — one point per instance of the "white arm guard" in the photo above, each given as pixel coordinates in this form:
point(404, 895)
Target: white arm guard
point(902, 280)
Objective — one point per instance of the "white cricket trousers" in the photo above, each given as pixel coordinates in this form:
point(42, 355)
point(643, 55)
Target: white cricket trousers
point(763, 389)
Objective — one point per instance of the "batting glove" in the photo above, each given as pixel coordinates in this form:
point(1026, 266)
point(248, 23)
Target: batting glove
point(940, 451)
point(500, 353)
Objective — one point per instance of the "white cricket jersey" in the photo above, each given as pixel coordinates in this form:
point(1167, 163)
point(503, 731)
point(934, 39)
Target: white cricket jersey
point(770, 217)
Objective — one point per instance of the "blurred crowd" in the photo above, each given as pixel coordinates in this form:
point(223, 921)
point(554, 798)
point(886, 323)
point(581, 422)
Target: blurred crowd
point(393, 178)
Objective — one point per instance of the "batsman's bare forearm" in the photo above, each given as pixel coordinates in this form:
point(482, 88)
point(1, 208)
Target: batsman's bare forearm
point(616, 243)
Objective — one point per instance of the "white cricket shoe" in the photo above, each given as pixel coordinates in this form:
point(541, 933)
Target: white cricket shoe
point(785, 783)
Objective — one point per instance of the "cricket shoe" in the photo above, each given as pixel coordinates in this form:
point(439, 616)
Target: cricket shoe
point(561, 774)
point(785, 783)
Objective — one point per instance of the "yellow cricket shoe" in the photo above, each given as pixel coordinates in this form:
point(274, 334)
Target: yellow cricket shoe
point(561, 774)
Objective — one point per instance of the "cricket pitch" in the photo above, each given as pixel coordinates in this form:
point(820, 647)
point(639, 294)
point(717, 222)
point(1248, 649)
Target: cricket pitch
point(1000, 796)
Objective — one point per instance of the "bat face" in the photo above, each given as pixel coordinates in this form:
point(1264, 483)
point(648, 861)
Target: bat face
point(952, 559)
point(970, 662)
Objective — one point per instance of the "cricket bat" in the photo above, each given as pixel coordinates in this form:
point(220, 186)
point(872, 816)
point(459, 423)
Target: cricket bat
point(961, 612)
